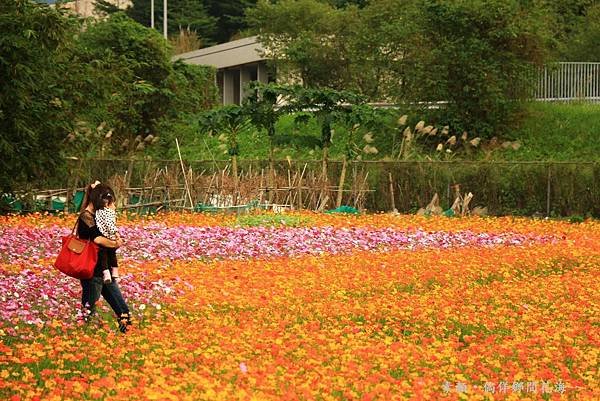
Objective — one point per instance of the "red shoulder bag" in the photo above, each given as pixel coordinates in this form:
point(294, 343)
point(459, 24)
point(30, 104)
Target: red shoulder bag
point(77, 257)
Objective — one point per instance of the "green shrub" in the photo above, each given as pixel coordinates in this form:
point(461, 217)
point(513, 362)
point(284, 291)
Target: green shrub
point(269, 220)
point(576, 219)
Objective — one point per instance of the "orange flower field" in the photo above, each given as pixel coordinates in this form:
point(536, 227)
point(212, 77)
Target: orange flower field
point(333, 307)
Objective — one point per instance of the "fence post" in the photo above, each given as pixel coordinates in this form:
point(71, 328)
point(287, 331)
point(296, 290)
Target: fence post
point(392, 193)
point(548, 193)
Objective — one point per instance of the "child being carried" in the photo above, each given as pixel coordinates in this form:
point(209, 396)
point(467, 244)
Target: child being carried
point(106, 220)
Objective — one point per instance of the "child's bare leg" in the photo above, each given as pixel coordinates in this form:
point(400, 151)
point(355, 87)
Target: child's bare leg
point(106, 276)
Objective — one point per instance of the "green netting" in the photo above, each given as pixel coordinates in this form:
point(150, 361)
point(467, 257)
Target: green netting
point(77, 201)
point(13, 204)
point(57, 205)
point(344, 209)
point(449, 213)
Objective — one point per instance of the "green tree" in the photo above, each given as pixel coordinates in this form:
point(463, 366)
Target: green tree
point(345, 3)
point(230, 17)
point(369, 50)
point(305, 38)
point(34, 105)
point(143, 97)
point(194, 91)
point(215, 21)
point(385, 49)
point(565, 17)
point(70, 91)
point(329, 106)
point(182, 14)
point(480, 57)
point(142, 58)
point(584, 42)
point(264, 106)
point(475, 56)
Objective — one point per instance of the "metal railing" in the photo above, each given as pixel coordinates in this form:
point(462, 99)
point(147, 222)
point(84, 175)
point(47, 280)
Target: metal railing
point(568, 81)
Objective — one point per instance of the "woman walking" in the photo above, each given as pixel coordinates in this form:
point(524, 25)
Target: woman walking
point(91, 289)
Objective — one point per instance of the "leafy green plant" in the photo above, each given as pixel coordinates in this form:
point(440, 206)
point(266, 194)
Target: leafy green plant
point(328, 106)
point(264, 105)
point(228, 122)
point(272, 220)
point(576, 219)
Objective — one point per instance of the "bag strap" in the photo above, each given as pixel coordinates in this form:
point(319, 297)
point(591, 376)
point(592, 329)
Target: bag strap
point(73, 231)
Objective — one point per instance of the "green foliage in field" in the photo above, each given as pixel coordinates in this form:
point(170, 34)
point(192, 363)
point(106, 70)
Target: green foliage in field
point(147, 88)
point(272, 220)
point(139, 60)
point(108, 88)
point(568, 19)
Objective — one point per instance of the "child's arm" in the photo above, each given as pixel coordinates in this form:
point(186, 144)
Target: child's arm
point(113, 221)
point(102, 221)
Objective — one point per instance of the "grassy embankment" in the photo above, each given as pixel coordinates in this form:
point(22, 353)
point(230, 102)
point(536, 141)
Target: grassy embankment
point(558, 132)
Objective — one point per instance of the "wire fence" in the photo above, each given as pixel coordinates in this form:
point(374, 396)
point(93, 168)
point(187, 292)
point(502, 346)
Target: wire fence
point(505, 188)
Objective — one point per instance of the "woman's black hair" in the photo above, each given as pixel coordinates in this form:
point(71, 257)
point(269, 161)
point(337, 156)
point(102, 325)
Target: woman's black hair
point(87, 195)
point(100, 194)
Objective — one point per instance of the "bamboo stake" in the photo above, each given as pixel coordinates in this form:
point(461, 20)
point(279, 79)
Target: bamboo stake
point(167, 192)
point(262, 191)
point(234, 170)
point(288, 196)
point(392, 193)
point(220, 201)
point(299, 191)
point(340, 193)
point(274, 187)
point(212, 178)
point(271, 183)
point(153, 185)
point(187, 189)
point(323, 204)
point(312, 202)
point(191, 182)
point(361, 193)
point(141, 201)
